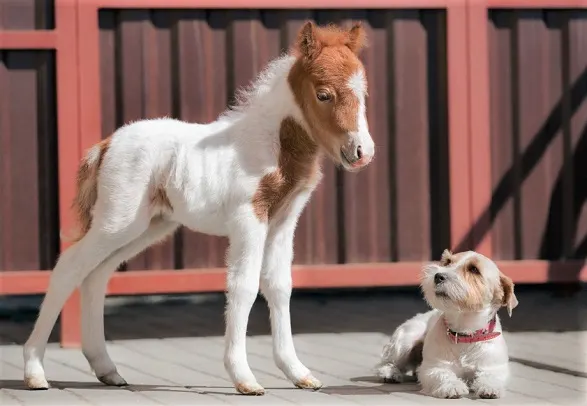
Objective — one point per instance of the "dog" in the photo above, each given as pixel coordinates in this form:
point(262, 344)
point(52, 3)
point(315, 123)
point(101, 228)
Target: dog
point(458, 346)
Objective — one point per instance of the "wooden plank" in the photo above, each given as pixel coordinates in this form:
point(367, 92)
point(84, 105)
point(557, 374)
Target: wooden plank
point(367, 203)
point(411, 138)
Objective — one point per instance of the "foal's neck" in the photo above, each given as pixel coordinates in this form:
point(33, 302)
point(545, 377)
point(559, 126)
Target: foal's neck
point(268, 101)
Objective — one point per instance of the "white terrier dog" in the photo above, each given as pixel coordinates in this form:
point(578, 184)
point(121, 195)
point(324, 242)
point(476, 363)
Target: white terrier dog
point(458, 346)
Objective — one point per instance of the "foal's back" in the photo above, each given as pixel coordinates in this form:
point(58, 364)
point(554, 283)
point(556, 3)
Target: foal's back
point(194, 174)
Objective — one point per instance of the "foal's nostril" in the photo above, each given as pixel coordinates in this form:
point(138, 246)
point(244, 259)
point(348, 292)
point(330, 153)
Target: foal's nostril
point(439, 278)
point(359, 152)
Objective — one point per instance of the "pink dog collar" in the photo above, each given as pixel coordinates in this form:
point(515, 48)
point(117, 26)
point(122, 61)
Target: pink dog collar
point(483, 334)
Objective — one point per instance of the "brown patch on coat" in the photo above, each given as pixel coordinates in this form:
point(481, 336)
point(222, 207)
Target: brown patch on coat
point(103, 145)
point(327, 58)
point(298, 167)
point(476, 287)
point(87, 186)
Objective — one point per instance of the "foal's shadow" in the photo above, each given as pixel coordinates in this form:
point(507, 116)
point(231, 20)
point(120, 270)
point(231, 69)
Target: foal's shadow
point(228, 390)
point(15, 384)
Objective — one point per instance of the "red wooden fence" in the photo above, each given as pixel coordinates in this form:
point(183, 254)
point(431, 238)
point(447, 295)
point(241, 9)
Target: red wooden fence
point(479, 51)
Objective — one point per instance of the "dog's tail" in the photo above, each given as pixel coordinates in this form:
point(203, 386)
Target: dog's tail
point(403, 352)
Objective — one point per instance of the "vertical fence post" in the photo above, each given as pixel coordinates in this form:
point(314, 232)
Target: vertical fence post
point(68, 144)
point(86, 71)
point(458, 119)
point(479, 126)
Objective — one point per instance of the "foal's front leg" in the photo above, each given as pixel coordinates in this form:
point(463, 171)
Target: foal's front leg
point(245, 255)
point(276, 286)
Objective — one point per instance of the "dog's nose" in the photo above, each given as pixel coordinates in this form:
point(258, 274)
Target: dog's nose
point(439, 278)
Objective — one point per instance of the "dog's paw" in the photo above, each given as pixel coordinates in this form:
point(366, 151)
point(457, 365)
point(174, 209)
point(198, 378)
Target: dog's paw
point(309, 382)
point(389, 373)
point(487, 388)
point(250, 389)
point(489, 393)
point(451, 390)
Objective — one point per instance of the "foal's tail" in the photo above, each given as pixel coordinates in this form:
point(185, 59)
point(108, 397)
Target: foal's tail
point(87, 187)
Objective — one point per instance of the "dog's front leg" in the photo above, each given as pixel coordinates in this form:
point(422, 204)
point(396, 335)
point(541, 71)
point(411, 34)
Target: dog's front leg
point(440, 381)
point(490, 383)
point(276, 286)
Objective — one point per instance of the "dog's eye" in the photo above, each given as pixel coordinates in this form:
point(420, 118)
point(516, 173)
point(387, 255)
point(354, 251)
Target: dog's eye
point(474, 269)
point(446, 262)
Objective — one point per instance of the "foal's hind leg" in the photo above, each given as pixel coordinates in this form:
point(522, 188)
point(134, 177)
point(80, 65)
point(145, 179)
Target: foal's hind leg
point(73, 266)
point(93, 291)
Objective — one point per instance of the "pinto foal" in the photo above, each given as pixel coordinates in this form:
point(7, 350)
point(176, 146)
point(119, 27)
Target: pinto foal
point(247, 175)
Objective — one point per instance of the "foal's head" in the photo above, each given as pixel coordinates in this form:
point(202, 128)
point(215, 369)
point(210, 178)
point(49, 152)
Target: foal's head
point(329, 83)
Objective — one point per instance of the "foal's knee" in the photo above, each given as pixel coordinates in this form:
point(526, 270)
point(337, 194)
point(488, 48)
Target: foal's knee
point(276, 291)
point(242, 295)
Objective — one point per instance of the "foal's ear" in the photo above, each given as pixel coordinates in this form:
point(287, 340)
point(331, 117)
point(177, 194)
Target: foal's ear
point(357, 38)
point(308, 43)
point(510, 301)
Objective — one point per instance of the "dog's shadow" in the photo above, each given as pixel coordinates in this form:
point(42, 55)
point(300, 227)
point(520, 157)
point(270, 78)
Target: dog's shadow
point(382, 388)
point(409, 386)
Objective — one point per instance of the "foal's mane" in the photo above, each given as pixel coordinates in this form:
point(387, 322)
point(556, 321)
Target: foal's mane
point(262, 85)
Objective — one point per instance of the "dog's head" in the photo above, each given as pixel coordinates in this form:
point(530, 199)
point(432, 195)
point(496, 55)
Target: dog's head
point(467, 281)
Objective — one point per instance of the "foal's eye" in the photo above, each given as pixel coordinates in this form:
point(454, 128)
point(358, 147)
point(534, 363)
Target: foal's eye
point(324, 96)
point(474, 269)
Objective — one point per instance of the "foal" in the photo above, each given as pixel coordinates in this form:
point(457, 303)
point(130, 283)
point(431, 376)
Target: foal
point(246, 175)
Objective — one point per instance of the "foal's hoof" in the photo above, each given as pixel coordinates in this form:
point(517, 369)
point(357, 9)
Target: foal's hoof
point(250, 389)
point(112, 379)
point(309, 382)
point(36, 383)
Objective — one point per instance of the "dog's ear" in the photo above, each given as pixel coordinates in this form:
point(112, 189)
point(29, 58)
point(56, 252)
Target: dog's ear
point(445, 257)
point(510, 301)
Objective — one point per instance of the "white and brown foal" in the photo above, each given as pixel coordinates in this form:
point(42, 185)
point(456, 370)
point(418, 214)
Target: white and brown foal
point(247, 175)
